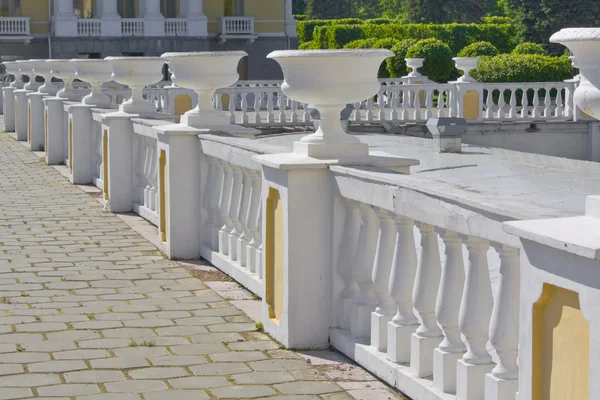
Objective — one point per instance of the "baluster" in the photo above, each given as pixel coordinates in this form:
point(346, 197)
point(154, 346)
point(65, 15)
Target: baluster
point(259, 243)
point(447, 310)
point(254, 224)
point(257, 100)
point(209, 187)
point(147, 172)
point(369, 115)
point(382, 268)
point(536, 104)
point(294, 117)
point(405, 103)
point(428, 103)
point(569, 111)
point(524, 105)
point(226, 189)
point(394, 99)
point(270, 107)
point(305, 115)
point(232, 99)
point(356, 115)
point(474, 322)
point(428, 335)
point(417, 103)
point(153, 176)
point(547, 103)
point(217, 190)
point(381, 104)
point(281, 105)
point(504, 325)
point(218, 101)
point(404, 267)
point(243, 216)
point(501, 104)
point(139, 169)
point(512, 111)
point(489, 104)
point(234, 210)
point(362, 270)
point(559, 111)
point(440, 104)
point(244, 106)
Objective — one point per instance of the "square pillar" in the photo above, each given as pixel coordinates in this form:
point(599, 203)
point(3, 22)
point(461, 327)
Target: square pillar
point(8, 106)
point(197, 22)
point(154, 21)
point(80, 139)
point(469, 101)
point(180, 194)
point(297, 212)
point(21, 110)
point(36, 133)
point(110, 19)
point(55, 130)
point(65, 20)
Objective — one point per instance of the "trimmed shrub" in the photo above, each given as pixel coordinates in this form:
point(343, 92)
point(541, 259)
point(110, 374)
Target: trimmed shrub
point(379, 21)
point(396, 66)
point(523, 68)
point(361, 44)
point(492, 19)
point(530, 48)
point(306, 29)
point(337, 36)
point(479, 49)
point(300, 17)
point(312, 45)
point(387, 43)
point(438, 64)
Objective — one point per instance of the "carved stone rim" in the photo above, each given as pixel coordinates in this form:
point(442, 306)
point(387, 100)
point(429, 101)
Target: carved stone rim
point(576, 35)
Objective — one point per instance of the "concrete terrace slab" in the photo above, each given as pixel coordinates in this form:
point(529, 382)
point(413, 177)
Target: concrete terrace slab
point(107, 317)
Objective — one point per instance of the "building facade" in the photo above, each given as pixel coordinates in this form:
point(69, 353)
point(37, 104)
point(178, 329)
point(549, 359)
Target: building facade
point(100, 28)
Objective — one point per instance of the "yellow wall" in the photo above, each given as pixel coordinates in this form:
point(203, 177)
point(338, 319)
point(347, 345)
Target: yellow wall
point(471, 105)
point(561, 347)
point(274, 255)
point(265, 9)
point(33, 9)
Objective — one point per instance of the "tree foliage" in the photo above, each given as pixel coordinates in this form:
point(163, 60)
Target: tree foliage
point(443, 11)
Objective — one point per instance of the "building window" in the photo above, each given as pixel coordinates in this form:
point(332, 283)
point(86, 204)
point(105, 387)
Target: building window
point(10, 8)
point(126, 8)
point(169, 8)
point(84, 8)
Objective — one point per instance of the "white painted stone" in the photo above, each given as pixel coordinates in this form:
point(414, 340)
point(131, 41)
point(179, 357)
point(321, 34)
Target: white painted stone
point(80, 116)
point(414, 64)
point(466, 65)
point(41, 68)
point(12, 67)
point(36, 134)
point(66, 71)
point(343, 307)
point(8, 105)
point(136, 72)
point(55, 144)
point(21, 106)
point(334, 88)
point(95, 72)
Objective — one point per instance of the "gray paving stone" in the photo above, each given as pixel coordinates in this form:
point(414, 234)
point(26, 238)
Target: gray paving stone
point(135, 386)
point(217, 338)
point(68, 390)
point(81, 354)
point(178, 360)
point(118, 363)
point(23, 358)
point(104, 343)
point(15, 393)
point(197, 382)
point(181, 330)
point(140, 352)
point(94, 376)
point(237, 392)
point(278, 365)
point(191, 349)
point(177, 395)
point(307, 387)
point(254, 345)
point(110, 396)
point(57, 366)
point(10, 369)
point(158, 373)
point(264, 378)
point(29, 380)
point(42, 327)
point(239, 356)
point(243, 327)
point(220, 369)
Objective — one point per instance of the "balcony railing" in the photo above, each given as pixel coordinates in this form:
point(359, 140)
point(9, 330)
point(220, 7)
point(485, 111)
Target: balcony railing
point(15, 26)
point(132, 27)
point(89, 27)
point(176, 27)
point(237, 27)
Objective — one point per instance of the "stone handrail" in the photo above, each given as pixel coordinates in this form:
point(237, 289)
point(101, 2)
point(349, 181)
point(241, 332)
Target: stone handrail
point(89, 27)
point(15, 26)
point(176, 27)
point(132, 26)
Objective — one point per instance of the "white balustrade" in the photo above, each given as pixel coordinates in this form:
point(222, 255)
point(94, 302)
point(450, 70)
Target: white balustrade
point(132, 27)
point(176, 27)
point(237, 25)
point(15, 26)
point(89, 27)
point(145, 177)
point(98, 163)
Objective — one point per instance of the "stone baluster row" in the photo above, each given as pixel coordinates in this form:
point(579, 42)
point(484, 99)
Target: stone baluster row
point(437, 316)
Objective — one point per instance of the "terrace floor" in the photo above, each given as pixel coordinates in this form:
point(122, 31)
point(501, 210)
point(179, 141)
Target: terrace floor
point(89, 309)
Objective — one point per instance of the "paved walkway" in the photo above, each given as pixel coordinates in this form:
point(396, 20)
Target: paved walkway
point(91, 310)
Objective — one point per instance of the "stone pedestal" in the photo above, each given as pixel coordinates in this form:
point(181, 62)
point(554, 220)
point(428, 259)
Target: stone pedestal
point(56, 131)
point(21, 110)
point(36, 121)
point(399, 340)
point(9, 109)
point(421, 354)
point(180, 196)
point(498, 389)
point(470, 380)
point(444, 370)
point(379, 330)
point(80, 139)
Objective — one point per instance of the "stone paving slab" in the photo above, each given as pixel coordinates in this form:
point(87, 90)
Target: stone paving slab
point(91, 310)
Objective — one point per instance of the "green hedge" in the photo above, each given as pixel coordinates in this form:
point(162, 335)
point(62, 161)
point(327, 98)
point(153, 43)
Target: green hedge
point(523, 68)
point(306, 28)
point(396, 66)
point(361, 44)
point(530, 48)
point(300, 17)
point(457, 36)
point(438, 64)
point(479, 49)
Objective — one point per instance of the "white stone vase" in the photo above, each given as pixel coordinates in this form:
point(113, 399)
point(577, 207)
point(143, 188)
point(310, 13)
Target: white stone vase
point(330, 79)
point(26, 69)
point(466, 65)
point(137, 73)
point(65, 70)
point(42, 69)
point(95, 72)
point(13, 69)
point(584, 43)
point(205, 72)
point(414, 64)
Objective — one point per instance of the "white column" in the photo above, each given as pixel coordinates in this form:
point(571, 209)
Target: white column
point(362, 270)
point(154, 21)
point(65, 20)
point(474, 322)
point(446, 310)
point(110, 18)
point(382, 268)
point(152, 9)
point(197, 24)
point(290, 22)
point(404, 267)
point(183, 8)
point(63, 8)
point(428, 336)
point(502, 383)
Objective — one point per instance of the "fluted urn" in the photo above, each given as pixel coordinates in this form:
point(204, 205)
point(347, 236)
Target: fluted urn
point(466, 65)
point(65, 70)
point(95, 72)
point(330, 79)
point(13, 69)
point(137, 73)
point(584, 43)
point(41, 68)
point(205, 72)
point(26, 69)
